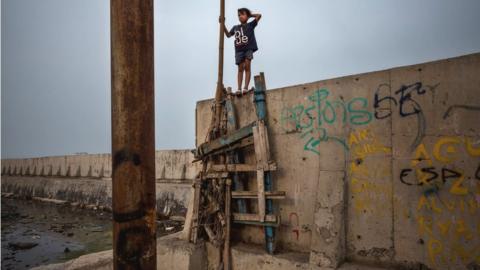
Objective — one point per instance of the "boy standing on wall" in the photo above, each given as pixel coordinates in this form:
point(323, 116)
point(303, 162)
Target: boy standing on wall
point(245, 44)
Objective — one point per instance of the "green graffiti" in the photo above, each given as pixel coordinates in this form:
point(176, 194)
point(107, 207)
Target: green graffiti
point(311, 119)
point(359, 114)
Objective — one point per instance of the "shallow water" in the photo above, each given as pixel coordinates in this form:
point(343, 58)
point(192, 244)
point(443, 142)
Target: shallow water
point(61, 232)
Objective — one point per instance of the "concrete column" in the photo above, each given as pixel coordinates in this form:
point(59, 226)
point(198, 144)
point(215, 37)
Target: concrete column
point(328, 234)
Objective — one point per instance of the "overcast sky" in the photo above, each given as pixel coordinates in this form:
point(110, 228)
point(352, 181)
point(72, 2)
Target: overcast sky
point(56, 59)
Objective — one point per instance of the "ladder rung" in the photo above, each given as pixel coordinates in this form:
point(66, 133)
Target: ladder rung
point(272, 166)
point(257, 223)
point(239, 217)
point(254, 195)
point(215, 175)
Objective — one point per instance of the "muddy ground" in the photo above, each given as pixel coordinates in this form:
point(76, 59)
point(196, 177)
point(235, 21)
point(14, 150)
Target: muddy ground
point(36, 233)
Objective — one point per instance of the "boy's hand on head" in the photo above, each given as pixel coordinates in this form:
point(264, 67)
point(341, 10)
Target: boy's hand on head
point(257, 16)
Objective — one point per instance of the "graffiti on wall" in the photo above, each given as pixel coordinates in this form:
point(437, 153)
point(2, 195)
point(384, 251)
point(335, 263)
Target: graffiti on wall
point(403, 99)
point(312, 120)
point(449, 198)
point(321, 114)
point(446, 150)
point(448, 185)
point(367, 185)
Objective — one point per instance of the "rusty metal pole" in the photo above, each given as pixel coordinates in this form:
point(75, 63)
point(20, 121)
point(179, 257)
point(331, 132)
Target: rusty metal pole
point(133, 134)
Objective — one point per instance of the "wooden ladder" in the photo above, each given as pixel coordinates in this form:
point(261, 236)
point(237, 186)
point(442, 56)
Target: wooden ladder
point(255, 134)
point(263, 165)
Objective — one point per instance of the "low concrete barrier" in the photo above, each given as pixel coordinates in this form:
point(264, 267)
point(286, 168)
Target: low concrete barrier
point(170, 165)
point(86, 179)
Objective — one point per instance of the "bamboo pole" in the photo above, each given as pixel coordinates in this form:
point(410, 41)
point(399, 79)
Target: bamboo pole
point(219, 91)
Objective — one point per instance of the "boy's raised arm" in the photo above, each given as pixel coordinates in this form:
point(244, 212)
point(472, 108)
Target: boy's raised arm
point(257, 16)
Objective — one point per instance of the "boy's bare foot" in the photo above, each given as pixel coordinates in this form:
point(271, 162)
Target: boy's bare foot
point(245, 91)
point(238, 93)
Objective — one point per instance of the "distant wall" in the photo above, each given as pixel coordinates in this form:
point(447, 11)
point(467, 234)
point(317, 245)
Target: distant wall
point(86, 179)
point(382, 167)
point(169, 164)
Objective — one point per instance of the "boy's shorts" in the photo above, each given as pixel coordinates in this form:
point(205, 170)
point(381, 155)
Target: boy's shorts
point(240, 56)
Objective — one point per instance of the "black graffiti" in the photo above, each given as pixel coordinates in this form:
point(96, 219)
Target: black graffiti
point(403, 98)
point(455, 107)
point(378, 101)
point(431, 174)
point(406, 99)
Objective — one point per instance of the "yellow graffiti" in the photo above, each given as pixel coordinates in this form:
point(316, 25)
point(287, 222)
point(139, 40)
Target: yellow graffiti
point(435, 248)
point(444, 227)
point(465, 256)
point(421, 153)
point(449, 143)
point(472, 151)
point(361, 135)
point(364, 143)
point(457, 204)
point(425, 225)
point(450, 225)
point(429, 204)
point(444, 150)
point(363, 179)
point(457, 252)
point(359, 186)
point(462, 230)
point(457, 188)
point(358, 169)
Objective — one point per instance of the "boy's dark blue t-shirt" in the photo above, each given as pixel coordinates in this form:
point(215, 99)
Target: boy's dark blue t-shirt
point(244, 36)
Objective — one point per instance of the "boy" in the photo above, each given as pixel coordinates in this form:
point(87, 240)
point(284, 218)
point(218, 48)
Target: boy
point(245, 44)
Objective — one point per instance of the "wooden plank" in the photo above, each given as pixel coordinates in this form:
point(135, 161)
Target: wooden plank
point(247, 141)
point(262, 130)
point(261, 194)
point(211, 235)
point(187, 231)
point(226, 246)
point(257, 223)
point(243, 143)
point(267, 143)
point(232, 168)
point(225, 141)
point(215, 175)
point(259, 145)
point(195, 215)
point(241, 167)
point(254, 217)
point(253, 195)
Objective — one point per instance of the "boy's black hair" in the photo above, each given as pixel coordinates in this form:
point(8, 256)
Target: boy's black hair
point(245, 10)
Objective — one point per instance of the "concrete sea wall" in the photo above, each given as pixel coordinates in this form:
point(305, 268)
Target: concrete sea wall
point(86, 179)
point(381, 168)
